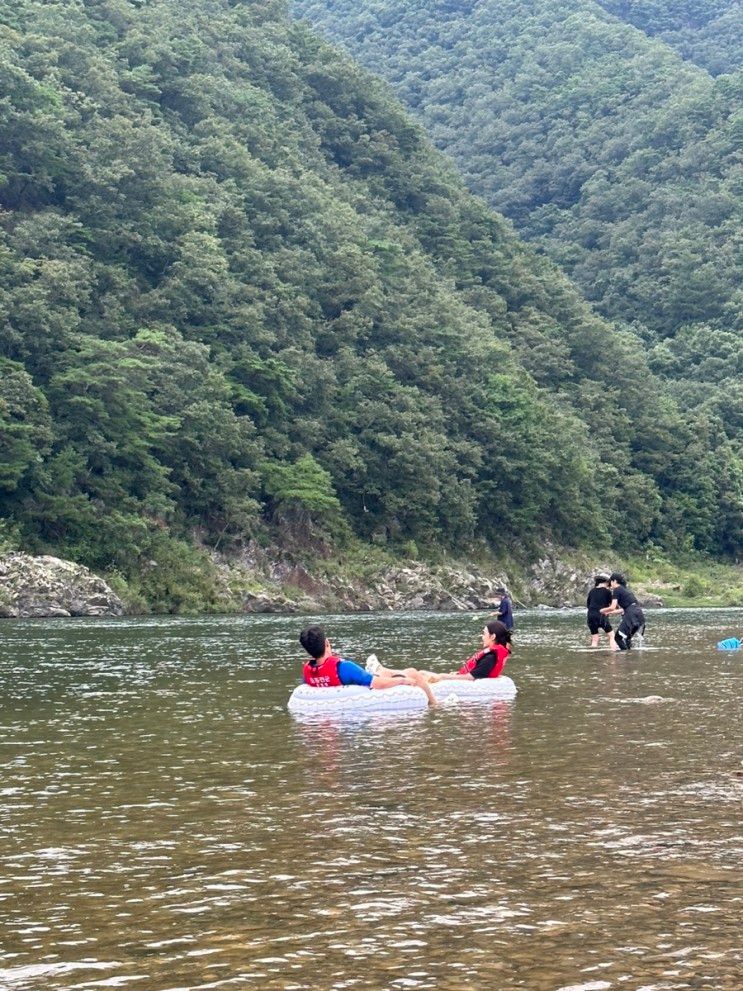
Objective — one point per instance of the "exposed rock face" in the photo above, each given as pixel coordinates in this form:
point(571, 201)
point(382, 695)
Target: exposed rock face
point(447, 589)
point(399, 587)
point(282, 586)
point(48, 586)
point(649, 601)
point(553, 583)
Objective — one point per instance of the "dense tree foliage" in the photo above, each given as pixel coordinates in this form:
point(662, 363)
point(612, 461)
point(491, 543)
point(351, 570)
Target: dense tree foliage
point(708, 32)
point(240, 291)
point(600, 144)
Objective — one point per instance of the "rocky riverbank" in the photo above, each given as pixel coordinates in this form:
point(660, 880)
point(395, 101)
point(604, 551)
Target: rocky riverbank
point(49, 586)
point(264, 581)
point(396, 588)
point(280, 586)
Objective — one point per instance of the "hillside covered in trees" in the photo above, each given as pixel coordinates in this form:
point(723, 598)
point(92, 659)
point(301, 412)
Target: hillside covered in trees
point(606, 149)
point(708, 32)
point(243, 297)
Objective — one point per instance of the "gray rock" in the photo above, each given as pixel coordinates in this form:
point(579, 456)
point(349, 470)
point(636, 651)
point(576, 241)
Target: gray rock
point(417, 602)
point(51, 587)
point(98, 600)
point(58, 612)
point(273, 603)
point(651, 602)
point(258, 604)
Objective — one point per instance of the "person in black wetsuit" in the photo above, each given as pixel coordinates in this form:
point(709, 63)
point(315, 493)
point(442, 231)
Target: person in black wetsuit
point(599, 598)
point(624, 601)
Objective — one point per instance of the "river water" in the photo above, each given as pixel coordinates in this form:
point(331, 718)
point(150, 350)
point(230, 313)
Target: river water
point(166, 824)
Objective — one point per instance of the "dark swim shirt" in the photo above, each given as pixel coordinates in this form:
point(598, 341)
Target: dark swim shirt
point(505, 612)
point(485, 665)
point(598, 598)
point(624, 597)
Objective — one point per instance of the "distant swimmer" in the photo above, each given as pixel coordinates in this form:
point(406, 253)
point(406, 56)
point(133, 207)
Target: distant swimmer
point(328, 670)
point(624, 601)
point(599, 598)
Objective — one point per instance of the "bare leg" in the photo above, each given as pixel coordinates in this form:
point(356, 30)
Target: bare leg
point(418, 679)
point(384, 672)
point(446, 676)
point(431, 677)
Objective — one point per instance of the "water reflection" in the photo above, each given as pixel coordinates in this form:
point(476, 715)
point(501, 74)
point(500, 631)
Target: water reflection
point(166, 824)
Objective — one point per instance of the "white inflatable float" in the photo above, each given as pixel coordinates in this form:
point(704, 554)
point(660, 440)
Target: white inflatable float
point(307, 700)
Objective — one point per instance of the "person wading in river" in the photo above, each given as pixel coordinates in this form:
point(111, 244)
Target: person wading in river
point(600, 597)
point(624, 601)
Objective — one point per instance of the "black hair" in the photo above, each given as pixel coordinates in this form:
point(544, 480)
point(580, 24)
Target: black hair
point(499, 630)
point(617, 576)
point(501, 591)
point(313, 640)
point(600, 579)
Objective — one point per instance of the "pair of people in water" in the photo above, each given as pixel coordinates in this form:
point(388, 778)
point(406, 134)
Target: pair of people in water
point(610, 596)
point(328, 670)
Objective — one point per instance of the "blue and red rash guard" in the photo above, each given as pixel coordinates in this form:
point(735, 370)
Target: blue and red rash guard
point(335, 671)
point(487, 663)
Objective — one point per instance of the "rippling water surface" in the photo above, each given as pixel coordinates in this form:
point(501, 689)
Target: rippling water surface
point(165, 824)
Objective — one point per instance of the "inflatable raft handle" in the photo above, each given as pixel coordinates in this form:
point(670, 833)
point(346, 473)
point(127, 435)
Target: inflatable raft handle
point(732, 643)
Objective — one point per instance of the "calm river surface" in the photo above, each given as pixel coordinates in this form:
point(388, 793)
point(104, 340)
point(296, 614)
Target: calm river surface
point(166, 824)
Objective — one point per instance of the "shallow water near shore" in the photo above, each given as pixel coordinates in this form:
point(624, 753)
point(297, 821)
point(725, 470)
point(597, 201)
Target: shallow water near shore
point(166, 824)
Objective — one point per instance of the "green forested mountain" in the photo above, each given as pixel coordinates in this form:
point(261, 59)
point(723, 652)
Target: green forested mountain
point(618, 158)
point(242, 295)
point(708, 32)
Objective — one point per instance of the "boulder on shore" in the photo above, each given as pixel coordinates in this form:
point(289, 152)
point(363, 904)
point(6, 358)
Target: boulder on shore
point(48, 586)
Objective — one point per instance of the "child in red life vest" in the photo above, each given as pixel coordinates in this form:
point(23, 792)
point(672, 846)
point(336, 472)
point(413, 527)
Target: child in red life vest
point(328, 670)
point(486, 663)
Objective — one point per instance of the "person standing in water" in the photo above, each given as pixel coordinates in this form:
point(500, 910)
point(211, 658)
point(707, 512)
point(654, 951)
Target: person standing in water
point(624, 601)
point(505, 608)
point(599, 598)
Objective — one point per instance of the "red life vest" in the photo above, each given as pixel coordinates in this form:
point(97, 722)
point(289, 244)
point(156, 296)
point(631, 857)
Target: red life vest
point(501, 656)
point(323, 675)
